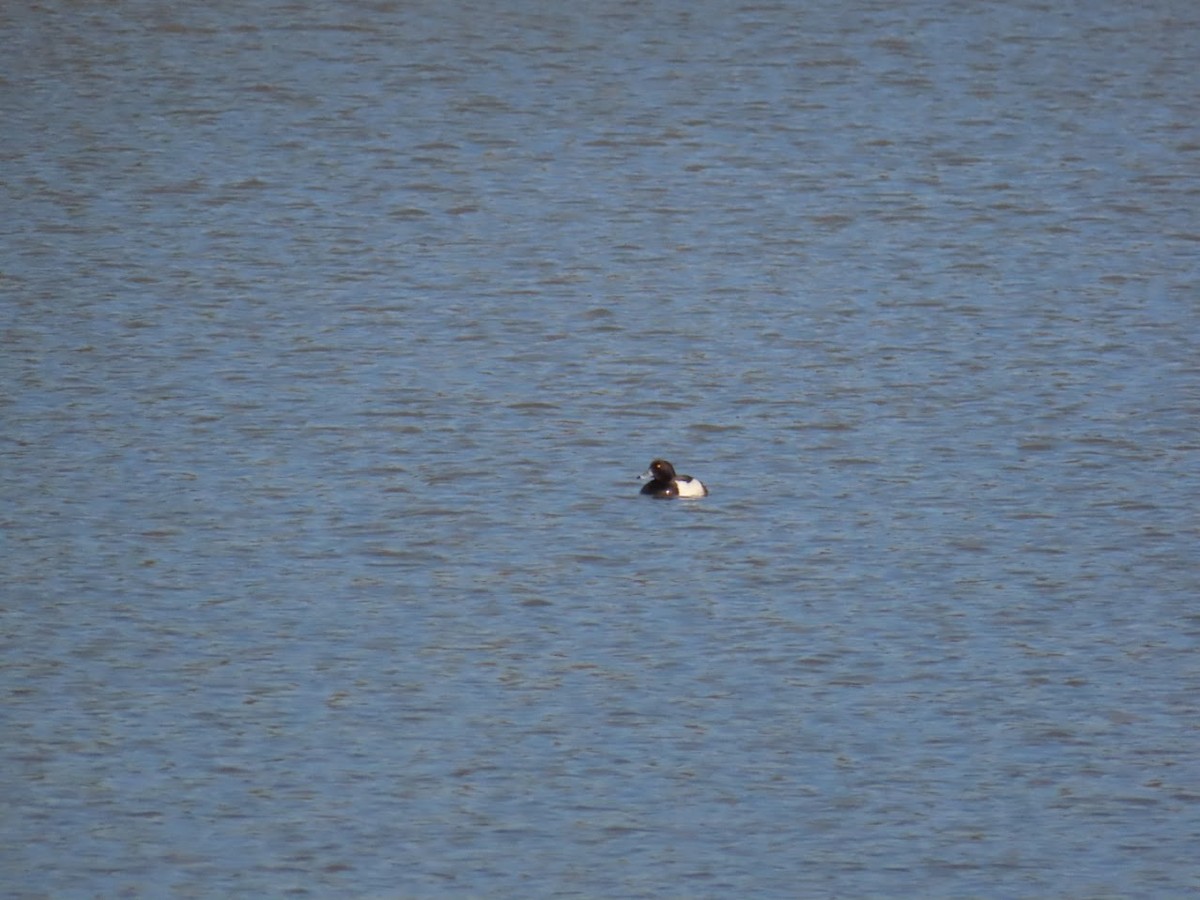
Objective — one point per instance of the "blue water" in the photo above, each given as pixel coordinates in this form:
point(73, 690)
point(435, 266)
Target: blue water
point(335, 338)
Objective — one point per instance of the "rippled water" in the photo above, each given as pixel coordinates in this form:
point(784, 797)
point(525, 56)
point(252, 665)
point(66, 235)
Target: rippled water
point(336, 335)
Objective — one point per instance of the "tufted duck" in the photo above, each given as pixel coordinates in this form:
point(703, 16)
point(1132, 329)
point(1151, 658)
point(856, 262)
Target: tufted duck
point(665, 483)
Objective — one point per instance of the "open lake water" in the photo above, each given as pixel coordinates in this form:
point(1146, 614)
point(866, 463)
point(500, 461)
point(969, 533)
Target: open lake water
point(336, 334)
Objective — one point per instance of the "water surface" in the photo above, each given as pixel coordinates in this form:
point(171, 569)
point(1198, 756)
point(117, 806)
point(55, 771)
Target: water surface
point(335, 337)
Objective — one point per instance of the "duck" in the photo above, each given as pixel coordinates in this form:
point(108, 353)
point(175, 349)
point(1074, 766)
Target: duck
point(664, 483)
